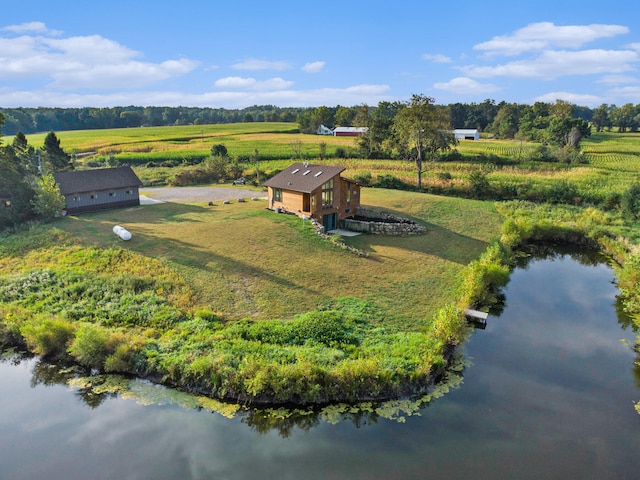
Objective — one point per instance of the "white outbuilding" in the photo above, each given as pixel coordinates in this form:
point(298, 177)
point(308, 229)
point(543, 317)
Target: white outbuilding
point(466, 134)
point(324, 130)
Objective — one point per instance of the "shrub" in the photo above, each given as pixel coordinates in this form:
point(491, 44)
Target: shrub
point(327, 327)
point(124, 359)
point(340, 153)
point(561, 191)
point(450, 326)
point(391, 182)
point(49, 337)
point(363, 178)
point(452, 156)
point(90, 346)
point(480, 186)
point(630, 202)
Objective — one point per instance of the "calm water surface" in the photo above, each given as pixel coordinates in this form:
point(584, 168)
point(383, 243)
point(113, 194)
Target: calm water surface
point(549, 393)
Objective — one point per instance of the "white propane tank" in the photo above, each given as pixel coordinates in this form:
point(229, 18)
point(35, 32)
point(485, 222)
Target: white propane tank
point(122, 232)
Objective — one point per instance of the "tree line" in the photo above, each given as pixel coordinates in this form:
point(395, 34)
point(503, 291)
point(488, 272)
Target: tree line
point(505, 120)
point(44, 119)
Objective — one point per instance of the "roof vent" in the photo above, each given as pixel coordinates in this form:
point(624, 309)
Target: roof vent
point(318, 174)
point(295, 171)
point(307, 172)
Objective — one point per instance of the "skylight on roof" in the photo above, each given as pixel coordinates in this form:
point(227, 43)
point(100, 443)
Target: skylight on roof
point(295, 171)
point(318, 174)
point(307, 172)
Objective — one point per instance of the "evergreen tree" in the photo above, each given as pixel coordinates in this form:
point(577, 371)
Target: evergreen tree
point(57, 159)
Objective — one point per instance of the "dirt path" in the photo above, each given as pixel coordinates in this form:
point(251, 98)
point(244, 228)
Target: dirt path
point(196, 194)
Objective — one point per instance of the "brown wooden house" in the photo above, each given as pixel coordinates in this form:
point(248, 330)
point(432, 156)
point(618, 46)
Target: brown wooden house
point(314, 191)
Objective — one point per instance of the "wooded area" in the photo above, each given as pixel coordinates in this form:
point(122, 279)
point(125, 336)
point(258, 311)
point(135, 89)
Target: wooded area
point(506, 120)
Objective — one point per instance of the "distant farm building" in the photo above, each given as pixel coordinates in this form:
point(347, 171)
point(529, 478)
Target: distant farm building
point(99, 189)
point(349, 131)
point(324, 130)
point(466, 134)
point(314, 191)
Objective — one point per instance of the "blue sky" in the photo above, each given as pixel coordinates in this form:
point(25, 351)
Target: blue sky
point(237, 53)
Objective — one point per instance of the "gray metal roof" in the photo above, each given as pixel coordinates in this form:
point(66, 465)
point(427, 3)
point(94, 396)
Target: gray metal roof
point(303, 178)
point(96, 180)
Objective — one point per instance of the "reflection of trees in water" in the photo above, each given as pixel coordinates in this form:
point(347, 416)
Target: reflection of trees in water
point(264, 421)
point(285, 421)
point(588, 257)
point(94, 390)
point(48, 374)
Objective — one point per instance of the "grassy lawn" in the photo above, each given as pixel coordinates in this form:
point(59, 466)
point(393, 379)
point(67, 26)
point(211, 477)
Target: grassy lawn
point(172, 302)
point(242, 260)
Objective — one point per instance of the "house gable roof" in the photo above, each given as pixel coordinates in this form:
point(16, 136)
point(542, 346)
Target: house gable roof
point(303, 178)
point(96, 180)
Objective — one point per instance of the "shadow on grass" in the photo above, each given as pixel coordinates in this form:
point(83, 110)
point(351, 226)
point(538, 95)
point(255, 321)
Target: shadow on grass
point(437, 241)
point(96, 229)
point(193, 256)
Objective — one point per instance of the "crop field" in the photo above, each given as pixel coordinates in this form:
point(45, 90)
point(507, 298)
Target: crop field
point(612, 158)
point(144, 144)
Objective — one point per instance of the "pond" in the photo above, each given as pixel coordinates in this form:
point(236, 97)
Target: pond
point(548, 392)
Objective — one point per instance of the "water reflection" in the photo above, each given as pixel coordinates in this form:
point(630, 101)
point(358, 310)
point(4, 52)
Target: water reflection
point(94, 390)
point(549, 393)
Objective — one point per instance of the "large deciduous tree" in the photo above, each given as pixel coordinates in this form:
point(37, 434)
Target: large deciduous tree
point(48, 203)
point(424, 130)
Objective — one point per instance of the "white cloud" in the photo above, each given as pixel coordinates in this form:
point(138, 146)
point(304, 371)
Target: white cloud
point(634, 46)
point(543, 35)
point(235, 82)
point(313, 67)
point(576, 98)
point(436, 58)
point(256, 64)
point(241, 83)
point(465, 85)
point(629, 94)
point(557, 63)
point(30, 27)
point(618, 79)
point(273, 84)
point(122, 75)
point(353, 95)
point(91, 62)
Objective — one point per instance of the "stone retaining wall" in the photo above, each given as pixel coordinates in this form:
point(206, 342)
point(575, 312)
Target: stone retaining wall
point(393, 225)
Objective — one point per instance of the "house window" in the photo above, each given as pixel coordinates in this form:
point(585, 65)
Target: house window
point(111, 194)
point(327, 194)
point(348, 199)
point(76, 199)
point(129, 192)
point(93, 196)
point(277, 194)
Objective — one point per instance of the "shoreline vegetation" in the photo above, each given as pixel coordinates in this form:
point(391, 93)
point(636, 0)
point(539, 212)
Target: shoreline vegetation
point(199, 301)
point(336, 354)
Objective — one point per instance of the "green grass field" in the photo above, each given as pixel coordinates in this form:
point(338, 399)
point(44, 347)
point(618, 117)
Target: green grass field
point(244, 261)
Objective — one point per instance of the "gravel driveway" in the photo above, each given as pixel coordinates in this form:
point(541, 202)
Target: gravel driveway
point(149, 195)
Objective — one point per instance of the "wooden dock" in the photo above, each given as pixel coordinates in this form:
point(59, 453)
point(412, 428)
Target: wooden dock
point(477, 317)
